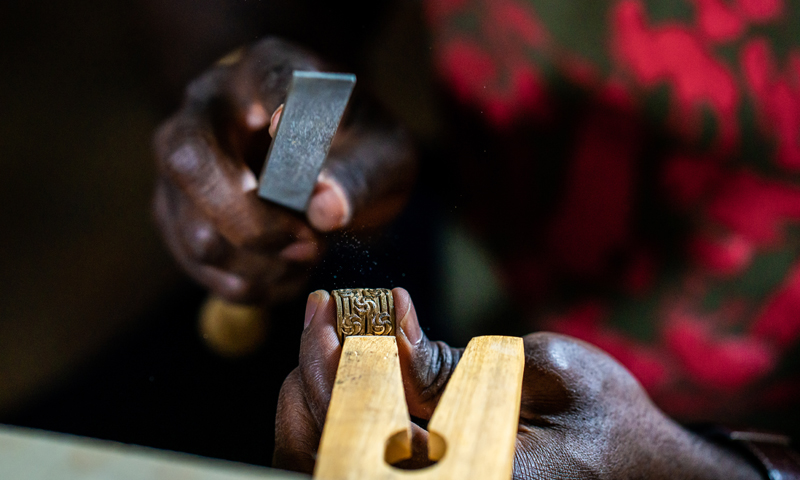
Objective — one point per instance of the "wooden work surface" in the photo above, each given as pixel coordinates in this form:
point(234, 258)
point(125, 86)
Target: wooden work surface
point(27, 454)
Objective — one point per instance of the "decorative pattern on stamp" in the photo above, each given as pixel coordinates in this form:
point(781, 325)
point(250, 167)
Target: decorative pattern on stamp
point(364, 311)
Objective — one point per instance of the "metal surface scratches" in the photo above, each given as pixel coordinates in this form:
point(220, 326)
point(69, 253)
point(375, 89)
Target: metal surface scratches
point(312, 112)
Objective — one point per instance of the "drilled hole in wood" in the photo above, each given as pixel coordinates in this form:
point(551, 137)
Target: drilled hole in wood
point(421, 454)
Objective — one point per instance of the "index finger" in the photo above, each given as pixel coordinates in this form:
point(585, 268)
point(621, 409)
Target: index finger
point(222, 186)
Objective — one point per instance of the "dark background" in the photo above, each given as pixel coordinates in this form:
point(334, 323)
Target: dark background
point(98, 328)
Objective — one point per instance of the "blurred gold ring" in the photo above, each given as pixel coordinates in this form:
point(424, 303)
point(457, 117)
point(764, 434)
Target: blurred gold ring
point(364, 311)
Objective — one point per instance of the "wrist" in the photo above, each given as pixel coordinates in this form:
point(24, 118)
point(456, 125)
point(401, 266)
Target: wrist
point(681, 453)
point(724, 461)
point(770, 453)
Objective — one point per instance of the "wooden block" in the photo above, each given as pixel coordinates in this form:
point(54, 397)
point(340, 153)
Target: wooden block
point(478, 415)
point(367, 407)
point(472, 432)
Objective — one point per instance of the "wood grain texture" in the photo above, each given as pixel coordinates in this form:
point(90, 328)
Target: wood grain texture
point(367, 407)
point(473, 430)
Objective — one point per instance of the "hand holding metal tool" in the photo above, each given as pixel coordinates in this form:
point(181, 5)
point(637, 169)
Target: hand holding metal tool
point(311, 115)
point(307, 122)
point(228, 239)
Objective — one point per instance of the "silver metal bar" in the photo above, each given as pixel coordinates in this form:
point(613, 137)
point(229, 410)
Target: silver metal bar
point(312, 112)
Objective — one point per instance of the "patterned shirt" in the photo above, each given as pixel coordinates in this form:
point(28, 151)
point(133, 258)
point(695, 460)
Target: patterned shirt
point(641, 181)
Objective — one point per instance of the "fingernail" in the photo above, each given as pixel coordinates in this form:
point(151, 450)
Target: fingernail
point(311, 308)
point(275, 120)
point(410, 327)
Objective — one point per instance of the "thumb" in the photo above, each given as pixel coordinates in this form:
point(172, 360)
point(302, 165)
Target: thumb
point(367, 176)
point(329, 208)
point(426, 365)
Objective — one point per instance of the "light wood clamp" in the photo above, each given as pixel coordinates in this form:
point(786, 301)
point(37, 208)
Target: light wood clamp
point(472, 431)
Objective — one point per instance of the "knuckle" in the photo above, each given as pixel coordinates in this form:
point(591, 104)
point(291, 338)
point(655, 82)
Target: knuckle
point(178, 146)
point(552, 352)
point(578, 369)
point(432, 380)
point(272, 61)
point(207, 88)
point(163, 139)
point(185, 161)
point(205, 243)
point(278, 54)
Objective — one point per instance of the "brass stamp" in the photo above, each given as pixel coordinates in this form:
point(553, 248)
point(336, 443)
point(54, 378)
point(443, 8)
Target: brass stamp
point(364, 311)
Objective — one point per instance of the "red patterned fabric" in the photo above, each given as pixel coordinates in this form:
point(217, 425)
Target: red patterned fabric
point(672, 129)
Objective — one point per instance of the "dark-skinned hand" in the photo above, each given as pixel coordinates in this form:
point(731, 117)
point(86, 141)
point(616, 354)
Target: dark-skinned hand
point(582, 416)
point(238, 246)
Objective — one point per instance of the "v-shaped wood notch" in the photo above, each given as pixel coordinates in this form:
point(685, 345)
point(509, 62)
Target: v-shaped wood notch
point(472, 432)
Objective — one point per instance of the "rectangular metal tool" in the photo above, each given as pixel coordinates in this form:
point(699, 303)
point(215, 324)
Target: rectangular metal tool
point(312, 112)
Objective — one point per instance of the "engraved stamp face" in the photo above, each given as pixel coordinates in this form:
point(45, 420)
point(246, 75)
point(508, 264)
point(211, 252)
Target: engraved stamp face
point(364, 311)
